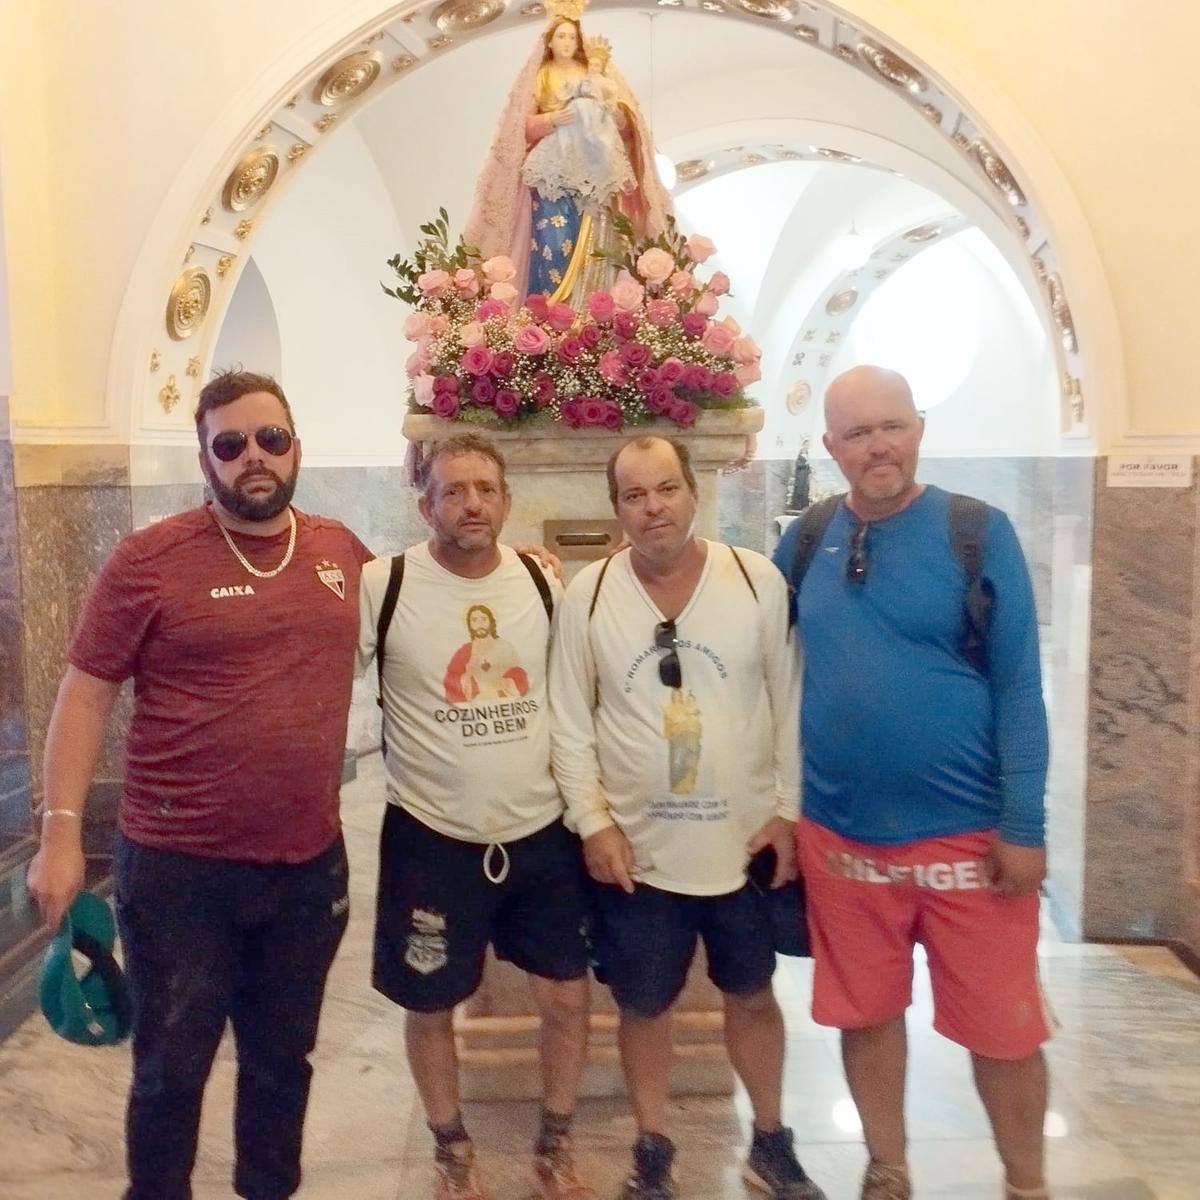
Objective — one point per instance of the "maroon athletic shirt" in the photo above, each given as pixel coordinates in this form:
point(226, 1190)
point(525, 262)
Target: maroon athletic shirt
point(241, 685)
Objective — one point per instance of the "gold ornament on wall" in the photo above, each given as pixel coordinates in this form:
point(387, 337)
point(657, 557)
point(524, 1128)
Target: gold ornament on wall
point(1060, 310)
point(933, 113)
point(348, 78)
point(841, 301)
point(193, 367)
point(188, 303)
point(798, 396)
point(402, 62)
point(293, 101)
point(263, 132)
point(771, 10)
point(223, 265)
point(241, 230)
point(693, 168)
point(325, 123)
point(922, 233)
point(377, 36)
point(189, 253)
point(208, 214)
point(439, 43)
point(890, 66)
point(806, 33)
point(155, 361)
point(566, 10)
point(535, 9)
point(251, 179)
point(996, 170)
point(461, 16)
point(296, 151)
point(168, 394)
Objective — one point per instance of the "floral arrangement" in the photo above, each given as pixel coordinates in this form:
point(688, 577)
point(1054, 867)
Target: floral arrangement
point(650, 346)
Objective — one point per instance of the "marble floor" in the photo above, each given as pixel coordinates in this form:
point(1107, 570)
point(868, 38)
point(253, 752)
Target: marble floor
point(1124, 1125)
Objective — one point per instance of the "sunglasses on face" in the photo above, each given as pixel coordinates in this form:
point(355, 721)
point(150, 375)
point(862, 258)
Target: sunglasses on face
point(274, 439)
point(856, 564)
point(669, 671)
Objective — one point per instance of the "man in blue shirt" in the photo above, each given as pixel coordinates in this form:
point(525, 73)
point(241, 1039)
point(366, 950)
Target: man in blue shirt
point(924, 782)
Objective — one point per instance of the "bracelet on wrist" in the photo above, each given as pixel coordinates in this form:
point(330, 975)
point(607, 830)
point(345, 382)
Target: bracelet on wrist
point(61, 812)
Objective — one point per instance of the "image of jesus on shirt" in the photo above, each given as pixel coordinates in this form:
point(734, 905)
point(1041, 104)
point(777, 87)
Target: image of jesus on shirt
point(486, 667)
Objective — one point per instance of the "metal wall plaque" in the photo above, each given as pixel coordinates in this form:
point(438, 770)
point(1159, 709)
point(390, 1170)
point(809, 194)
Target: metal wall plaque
point(1150, 470)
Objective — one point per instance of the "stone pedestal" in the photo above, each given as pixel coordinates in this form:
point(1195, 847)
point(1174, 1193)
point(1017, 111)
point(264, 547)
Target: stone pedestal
point(559, 474)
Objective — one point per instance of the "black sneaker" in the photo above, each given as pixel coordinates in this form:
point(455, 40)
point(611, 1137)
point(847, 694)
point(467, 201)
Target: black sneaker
point(652, 1177)
point(772, 1165)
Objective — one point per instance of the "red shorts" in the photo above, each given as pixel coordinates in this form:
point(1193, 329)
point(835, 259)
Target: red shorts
point(868, 906)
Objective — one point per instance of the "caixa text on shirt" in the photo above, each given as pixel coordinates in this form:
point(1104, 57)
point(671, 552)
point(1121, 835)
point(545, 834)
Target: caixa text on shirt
point(480, 720)
point(221, 593)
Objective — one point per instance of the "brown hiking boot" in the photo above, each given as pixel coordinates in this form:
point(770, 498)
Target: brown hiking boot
point(457, 1177)
point(885, 1183)
point(555, 1176)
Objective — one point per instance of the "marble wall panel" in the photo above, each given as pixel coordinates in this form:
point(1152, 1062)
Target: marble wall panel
point(1142, 742)
point(15, 810)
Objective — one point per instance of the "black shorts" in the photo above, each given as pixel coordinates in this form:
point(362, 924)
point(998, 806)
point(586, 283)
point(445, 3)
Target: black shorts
point(645, 943)
point(437, 910)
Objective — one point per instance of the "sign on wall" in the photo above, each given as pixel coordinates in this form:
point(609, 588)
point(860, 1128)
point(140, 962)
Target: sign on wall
point(1150, 470)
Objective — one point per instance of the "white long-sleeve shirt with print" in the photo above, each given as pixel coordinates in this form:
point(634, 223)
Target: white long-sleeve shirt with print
point(691, 775)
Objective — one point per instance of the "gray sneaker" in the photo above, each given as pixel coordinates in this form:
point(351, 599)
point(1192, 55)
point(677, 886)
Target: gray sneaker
point(772, 1166)
point(653, 1176)
point(885, 1183)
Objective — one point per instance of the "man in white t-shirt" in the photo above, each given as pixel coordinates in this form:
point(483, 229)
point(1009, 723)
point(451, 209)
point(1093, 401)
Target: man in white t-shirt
point(474, 849)
point(674, 693)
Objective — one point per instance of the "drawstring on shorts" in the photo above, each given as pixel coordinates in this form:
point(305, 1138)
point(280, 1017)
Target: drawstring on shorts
point(492, 875)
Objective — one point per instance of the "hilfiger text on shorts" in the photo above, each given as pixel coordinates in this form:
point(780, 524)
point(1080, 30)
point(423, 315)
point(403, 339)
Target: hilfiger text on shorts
point(964, 875)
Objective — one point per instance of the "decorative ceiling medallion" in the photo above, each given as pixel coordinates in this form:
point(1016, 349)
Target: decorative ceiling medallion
point(188, 303)
point(348, 78)
point(250, 180)
point(922, 233)
point(168, 395)
point(807, 33)
point(461, 16)
point(798, 396)
point(837, 155)
point(772, 10)
point(839, 302)
point(1060, 310)
point(402, 62)
point(223, 265)
point(693, 168)
point(999, 174)
point(296, 151)
point(325, 123)
point(890, 66)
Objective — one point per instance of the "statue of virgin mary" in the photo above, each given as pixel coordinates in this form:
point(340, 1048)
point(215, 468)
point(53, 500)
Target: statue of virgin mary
point(571, 148)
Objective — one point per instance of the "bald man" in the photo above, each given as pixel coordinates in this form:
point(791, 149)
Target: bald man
point(923, 785)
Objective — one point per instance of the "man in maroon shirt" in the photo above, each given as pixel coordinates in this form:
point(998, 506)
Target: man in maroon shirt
point(238, 622)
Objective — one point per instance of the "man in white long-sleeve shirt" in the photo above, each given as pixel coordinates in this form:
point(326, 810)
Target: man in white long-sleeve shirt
point(674, 699)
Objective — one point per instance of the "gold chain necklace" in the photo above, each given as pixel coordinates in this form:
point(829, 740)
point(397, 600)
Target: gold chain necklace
point(287, 556)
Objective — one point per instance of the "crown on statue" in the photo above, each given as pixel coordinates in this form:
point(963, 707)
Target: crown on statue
point(570, 10)
point(597, 47)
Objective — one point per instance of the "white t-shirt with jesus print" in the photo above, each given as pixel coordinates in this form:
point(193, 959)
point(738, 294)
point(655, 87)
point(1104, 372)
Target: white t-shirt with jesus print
point(464, 696)
point(688, 774)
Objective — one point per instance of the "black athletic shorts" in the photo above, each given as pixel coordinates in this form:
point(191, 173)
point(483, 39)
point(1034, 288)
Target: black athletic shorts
point(438, 909)
point(645, 943)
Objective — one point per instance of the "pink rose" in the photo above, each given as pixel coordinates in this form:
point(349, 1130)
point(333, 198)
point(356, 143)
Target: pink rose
point(694, 324)
point(569, 412)
point(471, 334)
point(745, 351)
point(610, 368)
point(477, 360)
point(499, 269)
point(613, 417)
point(724, 384)
point(649, 379)
point(503, 364)
point(699, 248)
point(671, 370)
point(731, 325)
point(489, 309)
point(483, 390)
point(507, 402)
point(531, 340)
point(683, 412)
point(433, 283)
point(655, 267)
point(560, 317)
point(682, 282)
point(719, 283)
point(420, 360)
point(466, 283)
point(625, 325)
point(635, 354)
point(504, 292)
point(600, 307)
point(706, 306)
point(569, 350)
point(661, 312)
point(538, 305)
point(589, 335)
point(445, 405)
point(591, 410)
point(423, 390)
point(748, 374)
point(438, 324)
point(627, 293)
point(717, 340)
point(697, 378)
point(445, 384)
point(543, 387)
point(659, 400)
point(417, 326)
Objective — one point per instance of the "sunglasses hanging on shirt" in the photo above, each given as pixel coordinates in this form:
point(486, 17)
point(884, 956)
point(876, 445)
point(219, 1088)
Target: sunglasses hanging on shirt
point(274, 439)
point(856, 564)
point(669, 671)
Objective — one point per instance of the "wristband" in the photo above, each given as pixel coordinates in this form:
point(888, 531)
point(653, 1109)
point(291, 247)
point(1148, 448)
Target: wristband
point(61, 812)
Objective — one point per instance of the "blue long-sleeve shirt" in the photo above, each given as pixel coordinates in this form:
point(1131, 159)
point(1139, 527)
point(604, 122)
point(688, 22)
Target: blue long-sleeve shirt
point(902, 738)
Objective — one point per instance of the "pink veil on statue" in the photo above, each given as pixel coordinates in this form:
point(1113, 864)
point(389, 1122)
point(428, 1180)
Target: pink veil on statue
point(500, 218)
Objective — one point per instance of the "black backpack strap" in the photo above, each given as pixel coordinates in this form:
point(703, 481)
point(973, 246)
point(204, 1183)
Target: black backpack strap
point(967, 518)
point(386, 610)
point(745, 574)
point(596, 590)
point(813, 523)
point(540, 583)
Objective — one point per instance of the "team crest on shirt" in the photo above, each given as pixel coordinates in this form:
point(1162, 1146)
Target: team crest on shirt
point(330, 574)
point(427, 950)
